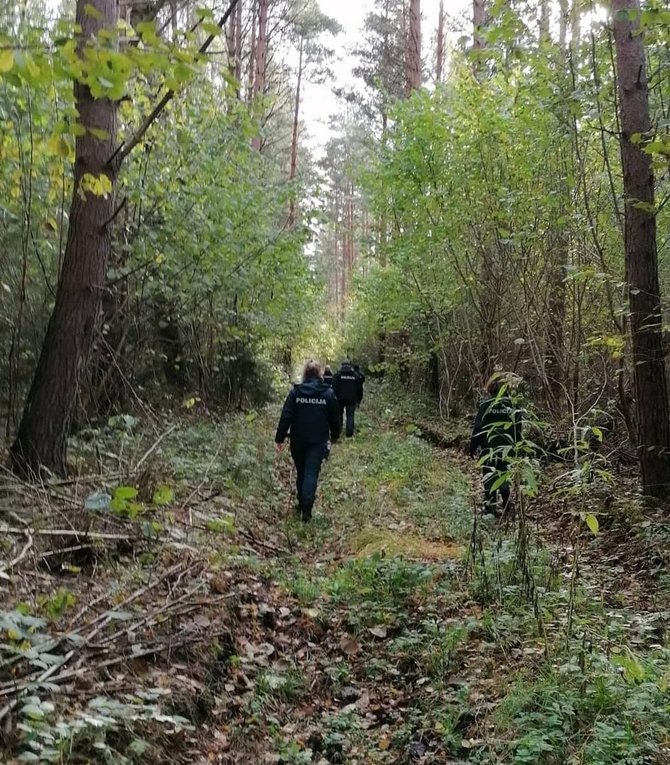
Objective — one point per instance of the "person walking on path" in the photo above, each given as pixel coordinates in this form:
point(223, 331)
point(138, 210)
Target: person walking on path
point(328, 376)
point(496, 431)
point(311, 415)
point(348, 388)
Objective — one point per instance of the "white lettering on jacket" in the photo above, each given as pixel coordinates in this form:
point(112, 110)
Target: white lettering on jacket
point(500, 410)
point(303, 400)
point(347, 377)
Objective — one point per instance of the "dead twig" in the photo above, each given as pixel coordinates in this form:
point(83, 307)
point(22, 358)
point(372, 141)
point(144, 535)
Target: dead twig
point(26, 549)
point(69, 533)
point(153, 447)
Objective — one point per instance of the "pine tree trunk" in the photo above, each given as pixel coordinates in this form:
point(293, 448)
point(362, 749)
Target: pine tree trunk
point(478, 23)
point(293, 167)
point(651, 394)
point(563, 18)
point(238, 47)
point(413, 55)
point(47, 417)
point(544, 21)
point(260, 60)
point(440, 44)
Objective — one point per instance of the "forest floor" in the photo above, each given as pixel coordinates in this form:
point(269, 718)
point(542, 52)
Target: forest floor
point(167, 606)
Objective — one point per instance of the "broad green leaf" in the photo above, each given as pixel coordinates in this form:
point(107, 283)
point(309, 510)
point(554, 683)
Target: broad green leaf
point(6, 61)
point(125, 492)
point(163, 495)
point(592, 523)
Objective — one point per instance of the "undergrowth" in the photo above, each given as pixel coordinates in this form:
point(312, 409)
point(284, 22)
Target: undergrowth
point(389, 630)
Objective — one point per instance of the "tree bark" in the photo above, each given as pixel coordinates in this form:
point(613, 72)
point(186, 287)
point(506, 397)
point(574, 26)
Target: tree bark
point(478, 23)
point(544, 21)
point(260, 60)
point(45, 426)
point(440, 44)
point(238, 47)
point(293, 167)
point(413, 56)
point(563, 19)
point(653, 421)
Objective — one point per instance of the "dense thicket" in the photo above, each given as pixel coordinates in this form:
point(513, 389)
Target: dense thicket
point(205, 285)
point(498, 208)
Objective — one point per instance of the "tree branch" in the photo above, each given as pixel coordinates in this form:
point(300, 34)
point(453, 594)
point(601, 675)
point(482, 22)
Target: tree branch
point(124, 149)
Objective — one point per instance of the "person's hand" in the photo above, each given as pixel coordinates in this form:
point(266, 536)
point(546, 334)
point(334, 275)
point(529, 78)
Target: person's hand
point(279, 448)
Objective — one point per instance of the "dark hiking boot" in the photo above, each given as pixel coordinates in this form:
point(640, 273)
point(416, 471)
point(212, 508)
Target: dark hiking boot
point(489, 510)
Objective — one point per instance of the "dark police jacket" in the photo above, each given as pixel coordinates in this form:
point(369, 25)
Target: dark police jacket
point(497, 426)
point(348, 385)
point(328, 379)
point(311, 414)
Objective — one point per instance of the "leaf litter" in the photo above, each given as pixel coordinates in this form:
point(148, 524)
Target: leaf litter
point(213, 627)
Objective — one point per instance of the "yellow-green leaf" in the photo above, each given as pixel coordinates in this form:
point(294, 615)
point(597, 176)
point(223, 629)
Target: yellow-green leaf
point(6, 60)
point(91, 11)
point(58, 146)
point(592, 523)
point(163, 495)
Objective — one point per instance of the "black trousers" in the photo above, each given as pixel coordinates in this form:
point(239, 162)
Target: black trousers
point(493, 471)
point(307, 459)
point(350, 409)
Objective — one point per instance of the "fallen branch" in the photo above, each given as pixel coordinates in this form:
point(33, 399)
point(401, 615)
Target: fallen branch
point(69, 533)
point(254, 540)
point(26, 549)
point(154, 446)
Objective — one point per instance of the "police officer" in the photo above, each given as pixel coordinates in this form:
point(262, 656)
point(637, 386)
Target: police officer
point(328, 376)
point(348, 388)
point(496, 431)
point(311, 414)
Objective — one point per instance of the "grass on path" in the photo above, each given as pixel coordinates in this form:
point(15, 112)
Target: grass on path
point(388, 630)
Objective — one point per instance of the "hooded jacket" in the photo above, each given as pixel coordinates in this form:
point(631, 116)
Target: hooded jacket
point(348, 385)
point(497, 426)
point(310, 413)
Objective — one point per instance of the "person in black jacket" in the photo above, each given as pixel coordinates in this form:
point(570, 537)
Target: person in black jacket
point(348, 388)
point(496, 431)
point(311, 414)
point(328, 376)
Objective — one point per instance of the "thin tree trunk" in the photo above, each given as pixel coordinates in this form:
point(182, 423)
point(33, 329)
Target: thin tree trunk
point(413, 55)
point(231, 44)
point(563, 19)
point(651, 394)
point(252, 59)
point(49, 409)
point(238, 47)
point(260, 61)
point(440, 44)
point(479, 16)
point(293, 168)
point(575, 23)
point(544, 21)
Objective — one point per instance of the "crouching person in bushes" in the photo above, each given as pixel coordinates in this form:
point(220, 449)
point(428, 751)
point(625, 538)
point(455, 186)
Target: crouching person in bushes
point(496, 432)
point(311, 415)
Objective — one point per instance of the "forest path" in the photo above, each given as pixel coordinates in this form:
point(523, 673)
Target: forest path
point(391, 629)
point(368, 616)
